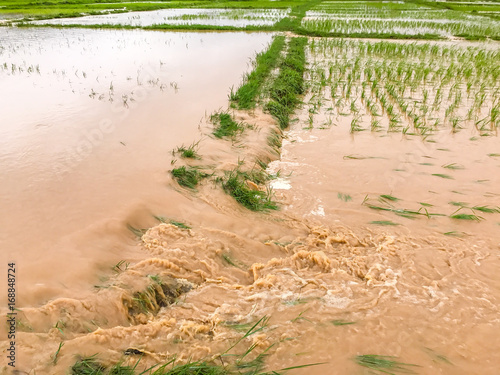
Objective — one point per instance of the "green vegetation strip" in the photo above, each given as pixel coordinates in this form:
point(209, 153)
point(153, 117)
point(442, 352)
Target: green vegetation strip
point(289, 84)
point(264, 63)
point(235, 184)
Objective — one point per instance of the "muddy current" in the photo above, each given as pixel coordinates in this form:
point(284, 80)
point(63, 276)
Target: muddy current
point(322, 279)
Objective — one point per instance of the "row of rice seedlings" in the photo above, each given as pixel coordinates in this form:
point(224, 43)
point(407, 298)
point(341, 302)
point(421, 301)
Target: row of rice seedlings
point(376, 19)
point(412, 89)
point(463, 212)
point(265, 62)
point(286, 88)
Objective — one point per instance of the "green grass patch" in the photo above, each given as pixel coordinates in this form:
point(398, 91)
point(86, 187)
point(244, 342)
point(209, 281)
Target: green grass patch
point(445, 176)
point(235, 184)
point(384, 364)
point(289, 84)
point(189, 152)
point(87, 366)
point(225, 126)
point(188, 176)
point(245, 96)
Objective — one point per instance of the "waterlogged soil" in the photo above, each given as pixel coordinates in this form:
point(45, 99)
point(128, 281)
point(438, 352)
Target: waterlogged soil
point(333, 284)
point(217, 17)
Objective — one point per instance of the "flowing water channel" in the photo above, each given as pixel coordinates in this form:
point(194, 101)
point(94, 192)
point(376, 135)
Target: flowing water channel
point(333, 278)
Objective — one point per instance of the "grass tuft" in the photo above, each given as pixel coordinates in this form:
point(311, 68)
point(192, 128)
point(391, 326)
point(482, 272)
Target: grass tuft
point(264, 63)
point(384, 364)
point(289, 84)
point(87, 366)
point(235, 184)
point(188, 176)
point(225, 126)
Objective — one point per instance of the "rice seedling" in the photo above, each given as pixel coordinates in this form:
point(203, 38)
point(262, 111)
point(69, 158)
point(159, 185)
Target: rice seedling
point(384, 364)
point(138, 232)
point(486, 209)
point(188, 152)
point(300, 317)
point(453, 166)
point(264, 63)
point(122, 265)
point(178, 224)
point(87, 366)
point(225, 126)
point(389, 197)
point(437, 357)
point(234, 183)
point(344, 197)
point(188, 176)
point(56, 354)
point(466, 217)
point(445, 176)
point(340, 322)
point(289, 83)
point(384, 222)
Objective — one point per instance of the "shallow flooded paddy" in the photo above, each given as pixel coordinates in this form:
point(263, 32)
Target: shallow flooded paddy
point(218, 17)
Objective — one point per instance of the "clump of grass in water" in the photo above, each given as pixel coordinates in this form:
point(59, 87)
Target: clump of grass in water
point(88, 366)
point(188, 152)
point(384, 364)
point(225, 126)
point(289, 83)
point(235, 185)
point(188, 176)
point(264, 63)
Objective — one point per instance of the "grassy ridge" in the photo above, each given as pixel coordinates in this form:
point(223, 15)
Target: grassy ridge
point(289, 84)
point(264, 63)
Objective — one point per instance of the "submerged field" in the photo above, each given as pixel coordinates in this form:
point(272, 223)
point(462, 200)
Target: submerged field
point(303, 199)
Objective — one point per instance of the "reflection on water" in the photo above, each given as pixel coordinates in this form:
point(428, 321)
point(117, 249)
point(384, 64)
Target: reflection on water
point(218, 17)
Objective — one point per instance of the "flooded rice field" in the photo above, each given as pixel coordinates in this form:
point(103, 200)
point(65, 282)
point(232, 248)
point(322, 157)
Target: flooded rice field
point(218, 17)
point(88, 122)
point(386, 241)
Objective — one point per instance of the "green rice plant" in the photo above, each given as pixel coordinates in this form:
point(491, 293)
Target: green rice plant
point(56, 354)
point(88, 366)
point(178, 224)
point(384, 364)
point(122, 265)
point(389, 197)
point(138, 232)
point(289, 84)
point(384, 222)
point(486, 209)
point(234, 183)
point(454, 234)
point(445, 176)
point(188, 152)
point(225, 126)
point(344, 197)
point(188, 176)
point(453, 166)
point(341, 322)
point(466, 217)
point(264, 63)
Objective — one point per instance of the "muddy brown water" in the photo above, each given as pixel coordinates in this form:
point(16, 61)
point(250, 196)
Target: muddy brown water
point(333, 285)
